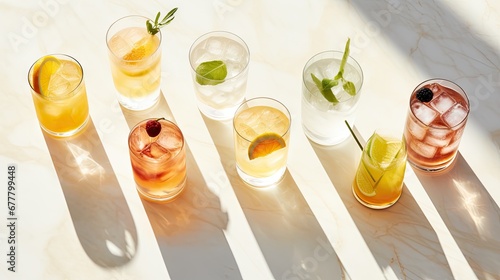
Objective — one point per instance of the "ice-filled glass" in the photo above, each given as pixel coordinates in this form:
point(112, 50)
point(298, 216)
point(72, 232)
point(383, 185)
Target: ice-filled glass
point(219, 67)
point(158, 159)
point(378, 182)
point(261, 140)
point(435, 123)
point(59, 94)
point(135, 60)
point(326, 102)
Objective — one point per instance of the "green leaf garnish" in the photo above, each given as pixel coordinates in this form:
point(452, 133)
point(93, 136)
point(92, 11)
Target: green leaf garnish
point(154, 27)
point(325, 85)
point(211, 72)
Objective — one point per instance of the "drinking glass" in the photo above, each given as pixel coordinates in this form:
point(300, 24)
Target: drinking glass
point(135, 60)
point(219, 67)
point(378, 182)
point(261, 139)
point(59, 94)
point(436, 119)
point(323, 120)
point(159, 162)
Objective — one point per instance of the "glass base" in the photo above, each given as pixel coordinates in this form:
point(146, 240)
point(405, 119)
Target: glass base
point(217, 114)
point(262, 182)
point(139, 104)
point(375, 206)
point(325, 141)
point(434, 168)
point(67, 133)
point(164, 198)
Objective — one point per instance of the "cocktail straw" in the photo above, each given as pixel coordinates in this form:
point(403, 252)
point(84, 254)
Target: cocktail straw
point(354, 135)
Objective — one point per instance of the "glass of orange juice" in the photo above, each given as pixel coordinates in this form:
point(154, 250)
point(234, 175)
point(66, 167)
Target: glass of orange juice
point(59, 94)
point(158, 158)
point(135, 60)
point(261, 138)
point(378, 182)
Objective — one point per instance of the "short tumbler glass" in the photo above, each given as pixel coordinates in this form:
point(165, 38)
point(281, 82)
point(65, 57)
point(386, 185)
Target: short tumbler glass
point(159, 162)
point(219, 66)
point(261, 139)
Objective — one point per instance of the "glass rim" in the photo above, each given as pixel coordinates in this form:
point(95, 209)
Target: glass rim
point(341, 53)
point(285, 111)
point(199, 39)
point(392, 135)
point(70, 93)
point(108, 36)
point(460, 91)
point(150, 160)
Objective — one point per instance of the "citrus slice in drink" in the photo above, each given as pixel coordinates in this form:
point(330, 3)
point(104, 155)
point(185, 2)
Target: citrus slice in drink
point(265, 144)
point(43, 73)
point(364, 181)
point(384, 151)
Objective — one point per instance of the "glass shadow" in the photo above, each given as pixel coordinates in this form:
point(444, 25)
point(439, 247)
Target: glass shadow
point(401, 239)
point(190, 229)
point(470, 214)
point(97, 206)
point(289, 235)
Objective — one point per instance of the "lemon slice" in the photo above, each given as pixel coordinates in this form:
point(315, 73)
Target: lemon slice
point(42, 74)
point(384, 151)
point(364, 182)
point(265, 144)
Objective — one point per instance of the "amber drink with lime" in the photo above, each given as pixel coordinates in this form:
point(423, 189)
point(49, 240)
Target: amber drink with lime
point(261, 140)
point(135, 60)
point(378, 182)
point(59, 94)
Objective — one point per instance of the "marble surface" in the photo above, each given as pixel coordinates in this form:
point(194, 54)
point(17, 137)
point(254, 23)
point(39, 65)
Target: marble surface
point(79, 215)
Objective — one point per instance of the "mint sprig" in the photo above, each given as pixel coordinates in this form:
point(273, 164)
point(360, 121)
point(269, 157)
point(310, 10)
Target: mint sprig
point(325, 85)
point(154, 26)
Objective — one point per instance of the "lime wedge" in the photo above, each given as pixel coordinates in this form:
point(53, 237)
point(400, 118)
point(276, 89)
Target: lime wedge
point(364, 182)
point(383, 151)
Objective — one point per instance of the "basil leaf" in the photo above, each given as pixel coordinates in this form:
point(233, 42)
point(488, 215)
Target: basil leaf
point(325, 87)
point(211, 72)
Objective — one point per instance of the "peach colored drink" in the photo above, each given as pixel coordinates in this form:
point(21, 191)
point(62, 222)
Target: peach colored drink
point(435, 125)
point(159, 162)
point(135, 60)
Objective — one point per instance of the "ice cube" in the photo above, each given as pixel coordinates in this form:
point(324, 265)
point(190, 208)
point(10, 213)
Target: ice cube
point(213, 45)
point(455, 115)
point(170, 140)
point(139, 139)
point(416, 130)
point(123, 41)
point(423, 149)
point(442, 102)
point(156, 151)
point(437, 142)
point(424, 113)
point(440, 133)
point(450, 148)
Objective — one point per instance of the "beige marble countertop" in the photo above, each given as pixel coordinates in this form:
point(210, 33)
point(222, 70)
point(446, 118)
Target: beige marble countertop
point(80, 217)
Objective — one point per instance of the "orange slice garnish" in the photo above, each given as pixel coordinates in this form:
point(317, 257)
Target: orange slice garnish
point(265, 144)
point(42, 73)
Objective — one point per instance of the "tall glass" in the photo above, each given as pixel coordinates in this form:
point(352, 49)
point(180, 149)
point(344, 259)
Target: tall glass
point(159, 162)
point(378, 183)
point(261, 139)
point(219, 67)
point(323, 120)
point(135, 60)
point(59, 94)
point(435, 123)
